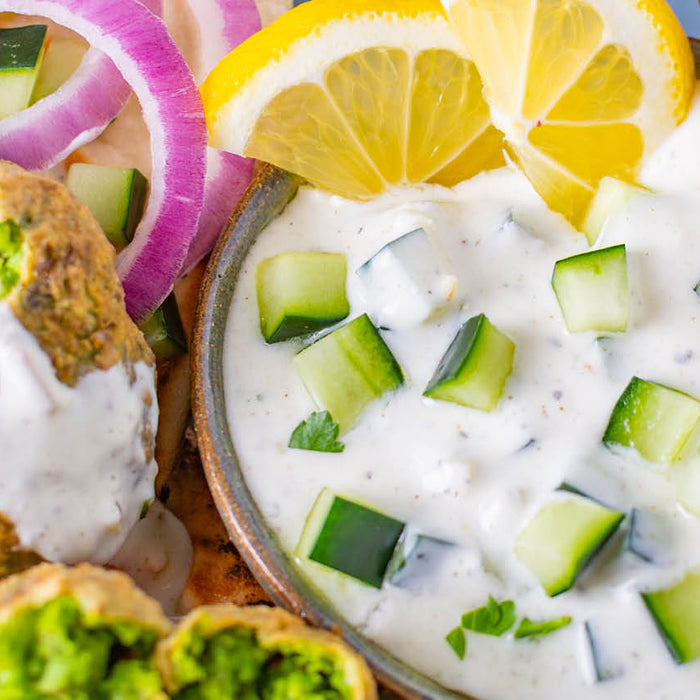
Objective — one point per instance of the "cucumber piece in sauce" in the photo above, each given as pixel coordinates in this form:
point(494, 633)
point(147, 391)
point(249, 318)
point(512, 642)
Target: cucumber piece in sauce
point(592, 290)
point(475, 367)
point(562, 538)
point(605, 662)
point(652, 419)
point(676, 612)
point(649, 536)
point(349, 537)
point(21, 54)
point(347, 369)
point(611, 197)
point(403, 283)
point(416, 558)
point(299, 293)
point(114, 196)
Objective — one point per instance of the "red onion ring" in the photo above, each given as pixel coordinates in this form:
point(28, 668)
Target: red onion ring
point(139, 44)
point(44, 134)
point(228, 176)
point(223, 25)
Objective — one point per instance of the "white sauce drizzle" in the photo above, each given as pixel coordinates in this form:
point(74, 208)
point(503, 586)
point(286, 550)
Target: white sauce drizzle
point(157, 554)
point(468, 476)
point(73, 474)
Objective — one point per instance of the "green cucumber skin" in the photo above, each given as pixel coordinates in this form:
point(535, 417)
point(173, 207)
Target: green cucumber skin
point(164, 332)
point(21, 55)
point(676, 613)
point(300, 293)
point(137, 201)
point(357, 541)
point(474, 369)
point(347, 369)
point(597, 280)
point(635, 421)
point(21, 48)
point(292, 326)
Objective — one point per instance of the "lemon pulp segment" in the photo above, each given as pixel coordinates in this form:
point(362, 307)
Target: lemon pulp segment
point(405, 106)
point(581, 89)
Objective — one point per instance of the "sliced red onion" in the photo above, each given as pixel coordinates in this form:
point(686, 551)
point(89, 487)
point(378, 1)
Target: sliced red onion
point(228, 176)
point(140, 46)
point(44, 134)
point(223, 25)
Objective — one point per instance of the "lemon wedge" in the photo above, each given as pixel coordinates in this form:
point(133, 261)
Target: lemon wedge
point(581, 89)
point(356, 96)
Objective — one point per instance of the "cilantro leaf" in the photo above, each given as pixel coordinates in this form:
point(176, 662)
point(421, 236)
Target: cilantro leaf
point(458, 641)
point(318, 432)
point(528, 628)
point(494, 618)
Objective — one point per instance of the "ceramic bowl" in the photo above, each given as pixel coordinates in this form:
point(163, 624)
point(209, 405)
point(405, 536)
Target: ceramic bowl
point(270, 192)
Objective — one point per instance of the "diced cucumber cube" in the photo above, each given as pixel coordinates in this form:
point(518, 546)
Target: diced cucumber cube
point(114, 196)
point(610, 199)
point(349, 537)
point(61, 58)
point(403, 284)
point(652, 419)
point(562, 538)
point(649, 536)
point(592, 290)
point(299, 293)
point(475, 367)
point(605, 662)
point(686, 479)
point(676, 611)
point(164, 332)
point(416, 557)
point(21, 53)
point(347, 369)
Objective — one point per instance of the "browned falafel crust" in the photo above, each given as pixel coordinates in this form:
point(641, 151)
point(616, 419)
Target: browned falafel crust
point(102, 594)
point(69, 296)
point(13, 558)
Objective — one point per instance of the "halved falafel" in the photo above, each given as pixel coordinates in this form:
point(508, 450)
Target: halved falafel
point(82, 633)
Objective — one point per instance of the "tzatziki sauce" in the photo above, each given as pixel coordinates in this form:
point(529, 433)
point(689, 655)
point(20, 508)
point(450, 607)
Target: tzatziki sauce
point(475, 478)
point(74, 473)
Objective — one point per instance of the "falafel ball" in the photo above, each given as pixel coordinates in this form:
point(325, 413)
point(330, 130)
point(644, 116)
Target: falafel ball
point(79, 633)
point(78, 410)
point(227, 652)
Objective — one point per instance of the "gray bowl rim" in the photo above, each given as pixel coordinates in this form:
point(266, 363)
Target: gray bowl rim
point(268, 195)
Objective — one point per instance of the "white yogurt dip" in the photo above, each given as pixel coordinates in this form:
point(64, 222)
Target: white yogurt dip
point(84, 475)
point(476, 478)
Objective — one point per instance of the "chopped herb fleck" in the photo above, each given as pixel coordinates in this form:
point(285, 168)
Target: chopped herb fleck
point(494, 618)
point(533, 630)
point(458, 641)
point(11, 240)
point(318, 433)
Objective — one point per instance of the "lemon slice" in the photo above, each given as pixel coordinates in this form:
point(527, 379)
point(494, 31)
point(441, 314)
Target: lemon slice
point(356, 96)
point(581, 89)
